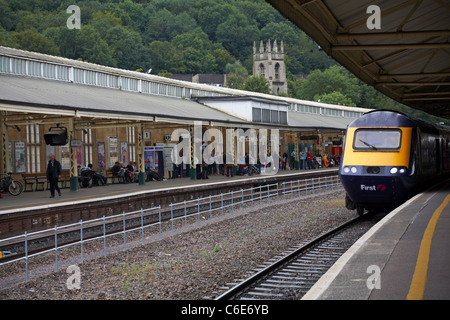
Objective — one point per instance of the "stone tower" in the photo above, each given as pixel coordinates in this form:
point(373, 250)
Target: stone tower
point(269, 62)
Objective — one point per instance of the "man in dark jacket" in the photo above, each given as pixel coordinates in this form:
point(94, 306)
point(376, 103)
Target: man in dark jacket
point(54, 170)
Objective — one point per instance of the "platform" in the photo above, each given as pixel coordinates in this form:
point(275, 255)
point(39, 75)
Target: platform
point(35, 199)
point(407, 252)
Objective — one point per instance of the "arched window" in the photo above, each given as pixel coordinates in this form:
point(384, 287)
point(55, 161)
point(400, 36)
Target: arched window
point(277, 71)
point(262, 70)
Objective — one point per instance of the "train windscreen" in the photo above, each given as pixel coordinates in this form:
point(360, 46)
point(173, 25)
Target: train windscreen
point(377, 139)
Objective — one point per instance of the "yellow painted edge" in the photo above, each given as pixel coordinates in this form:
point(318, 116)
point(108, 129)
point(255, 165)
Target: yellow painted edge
point(419, 279)
point(378, 158)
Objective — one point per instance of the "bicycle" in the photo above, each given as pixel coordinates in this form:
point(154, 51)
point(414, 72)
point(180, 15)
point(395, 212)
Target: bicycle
point(12, 186)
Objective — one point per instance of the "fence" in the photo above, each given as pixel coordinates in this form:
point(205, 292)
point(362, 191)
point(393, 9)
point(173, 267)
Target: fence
point(193, 210)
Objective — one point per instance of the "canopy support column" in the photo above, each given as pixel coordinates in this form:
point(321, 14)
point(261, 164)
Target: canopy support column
point(140, 154)
point(73, 158)
point(4, 143)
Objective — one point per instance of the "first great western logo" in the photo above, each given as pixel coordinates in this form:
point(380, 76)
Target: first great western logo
point(380, 187)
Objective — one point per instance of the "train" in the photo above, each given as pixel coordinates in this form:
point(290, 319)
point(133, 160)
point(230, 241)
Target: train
point(389, 156)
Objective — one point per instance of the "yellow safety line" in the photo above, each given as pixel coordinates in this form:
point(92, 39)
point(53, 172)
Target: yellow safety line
point(419, 279)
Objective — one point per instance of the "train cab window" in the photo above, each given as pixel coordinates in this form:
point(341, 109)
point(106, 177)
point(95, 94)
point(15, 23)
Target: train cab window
point(377, 139)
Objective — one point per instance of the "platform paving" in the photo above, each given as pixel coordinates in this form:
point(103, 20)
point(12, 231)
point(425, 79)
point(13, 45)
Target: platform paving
point(389, 253)
point(41, 198)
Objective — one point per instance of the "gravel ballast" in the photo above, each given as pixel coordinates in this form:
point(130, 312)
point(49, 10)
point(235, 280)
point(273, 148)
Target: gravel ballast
point(196, 263)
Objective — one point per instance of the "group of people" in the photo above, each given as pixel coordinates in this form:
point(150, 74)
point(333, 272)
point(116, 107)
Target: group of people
point(308, 161)
point(130, 172)
point(87, 174)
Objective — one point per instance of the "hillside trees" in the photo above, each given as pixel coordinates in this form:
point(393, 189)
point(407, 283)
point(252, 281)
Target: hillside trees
point(198, 35)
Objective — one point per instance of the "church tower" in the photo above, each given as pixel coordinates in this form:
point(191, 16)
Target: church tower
point(269, 62)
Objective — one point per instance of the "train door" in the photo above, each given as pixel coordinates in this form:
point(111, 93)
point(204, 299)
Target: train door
point(438, 156)
point(447, 156)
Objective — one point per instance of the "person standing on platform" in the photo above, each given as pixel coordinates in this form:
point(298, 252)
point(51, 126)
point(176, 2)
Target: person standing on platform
point(54, 171)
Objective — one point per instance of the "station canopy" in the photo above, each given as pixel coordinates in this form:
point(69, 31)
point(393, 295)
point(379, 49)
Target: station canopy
point(400, 47)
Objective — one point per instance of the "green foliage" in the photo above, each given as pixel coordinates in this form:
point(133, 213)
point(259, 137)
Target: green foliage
point(33, 41)
point(177, 36)
point(256, 84)
point(335, 97)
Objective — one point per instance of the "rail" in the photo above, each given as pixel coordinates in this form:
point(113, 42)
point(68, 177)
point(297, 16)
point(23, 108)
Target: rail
point(199, 208)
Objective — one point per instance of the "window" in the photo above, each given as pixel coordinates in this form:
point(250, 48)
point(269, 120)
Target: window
point(131, 143)
point(262, 70)
point(377, 139)
point(256, 115)
point(33, 149)
point(86, 137)
point(266, 115)
point(274, 116)
point(277, 71)
point(283, 117)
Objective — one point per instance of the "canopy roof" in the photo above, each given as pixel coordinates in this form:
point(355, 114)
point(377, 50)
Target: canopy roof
point(407, 58)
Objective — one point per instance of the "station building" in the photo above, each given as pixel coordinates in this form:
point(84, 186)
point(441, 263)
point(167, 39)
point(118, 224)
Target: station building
point(114, 115)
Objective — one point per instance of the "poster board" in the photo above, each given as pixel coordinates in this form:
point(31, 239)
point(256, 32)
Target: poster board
point(113, 151)
point(150, 154)
point(19, 156)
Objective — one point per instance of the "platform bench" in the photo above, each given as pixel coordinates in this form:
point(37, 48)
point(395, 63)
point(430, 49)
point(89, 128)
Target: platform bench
point(29, 179)
point(110, 178)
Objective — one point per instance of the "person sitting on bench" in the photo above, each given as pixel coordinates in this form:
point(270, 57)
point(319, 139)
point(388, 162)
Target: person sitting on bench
point(152, 173)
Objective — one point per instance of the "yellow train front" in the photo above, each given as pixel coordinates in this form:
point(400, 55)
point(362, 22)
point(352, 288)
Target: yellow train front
point(388, 156)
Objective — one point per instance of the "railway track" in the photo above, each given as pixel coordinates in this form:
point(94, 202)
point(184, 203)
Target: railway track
point(295, 271)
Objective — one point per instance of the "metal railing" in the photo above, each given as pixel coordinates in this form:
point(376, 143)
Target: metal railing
point(196, 211)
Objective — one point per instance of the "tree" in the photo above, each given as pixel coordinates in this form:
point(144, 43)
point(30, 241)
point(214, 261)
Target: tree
point(256, 84)
point(236, 68)
point(91, 47)
point(211, 16)
point(222, 58)
point(126, 46)
point(333, 79)
point(335, 97)
point(235, 81)
point(33, 41)
point(164, 56)
point(65, 39)
point(237, 35)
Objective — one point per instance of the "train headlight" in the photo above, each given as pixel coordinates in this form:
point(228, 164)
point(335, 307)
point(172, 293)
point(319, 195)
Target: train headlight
point(346, 169)
point(402, 170)
point(353, 169)
point(394, 170)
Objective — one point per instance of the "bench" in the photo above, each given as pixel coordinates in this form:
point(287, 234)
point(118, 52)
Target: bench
point(41, 180)
point(110, 178)
point(64, 180)
point(29, 179)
